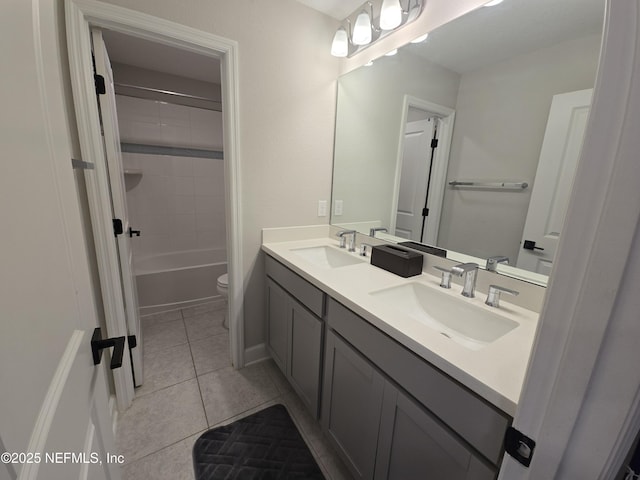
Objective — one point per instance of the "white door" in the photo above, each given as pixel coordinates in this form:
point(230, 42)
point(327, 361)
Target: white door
point(414, 181)
point(52, 397)
point(119, 203)
point(554, 178)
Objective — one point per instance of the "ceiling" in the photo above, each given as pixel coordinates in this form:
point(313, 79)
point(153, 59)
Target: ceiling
point(142, 53)
point(338, 9)
point(489, 35)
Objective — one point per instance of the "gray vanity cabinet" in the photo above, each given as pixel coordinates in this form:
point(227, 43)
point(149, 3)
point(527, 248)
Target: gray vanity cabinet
point(413, 444)
point(295, 330)
point(277, 330)
point(392, 415)
point(351, 405)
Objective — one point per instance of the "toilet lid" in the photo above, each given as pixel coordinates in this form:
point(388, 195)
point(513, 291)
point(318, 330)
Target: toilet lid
point(223, 280)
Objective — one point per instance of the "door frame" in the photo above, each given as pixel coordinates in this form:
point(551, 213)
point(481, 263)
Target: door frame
point(81, 16)
point(447, 117)
point(581, 396)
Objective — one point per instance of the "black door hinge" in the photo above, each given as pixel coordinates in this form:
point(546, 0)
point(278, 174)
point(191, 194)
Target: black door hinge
point(101, 88)
point(434, 143)
point(519, 446)
point(133, 342)
point(118, 229)
point(425, 212)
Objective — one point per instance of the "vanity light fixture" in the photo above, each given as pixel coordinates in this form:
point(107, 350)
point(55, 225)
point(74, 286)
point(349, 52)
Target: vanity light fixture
point(367, 28)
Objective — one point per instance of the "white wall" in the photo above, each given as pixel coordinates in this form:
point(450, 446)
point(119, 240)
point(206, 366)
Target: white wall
point(178, 202)
point(501, 115)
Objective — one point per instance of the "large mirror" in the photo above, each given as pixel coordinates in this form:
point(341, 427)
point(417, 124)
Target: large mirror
point(469, 140)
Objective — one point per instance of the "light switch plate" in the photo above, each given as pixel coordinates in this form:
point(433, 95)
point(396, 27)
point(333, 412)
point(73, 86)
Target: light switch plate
point(337, 208)
point(322, 208)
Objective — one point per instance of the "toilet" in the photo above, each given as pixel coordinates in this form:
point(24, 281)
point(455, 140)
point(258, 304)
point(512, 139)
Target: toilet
point(223, 289)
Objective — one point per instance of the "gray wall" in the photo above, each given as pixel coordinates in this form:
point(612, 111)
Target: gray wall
point(501, 116)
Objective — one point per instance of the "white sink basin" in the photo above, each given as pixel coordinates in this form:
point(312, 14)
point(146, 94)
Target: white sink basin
point(469, 325)
point(327, 257)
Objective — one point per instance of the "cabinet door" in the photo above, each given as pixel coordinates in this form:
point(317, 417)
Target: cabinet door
point(351, 405)
point(303, 362)
point(413, 444)
point(278, 312)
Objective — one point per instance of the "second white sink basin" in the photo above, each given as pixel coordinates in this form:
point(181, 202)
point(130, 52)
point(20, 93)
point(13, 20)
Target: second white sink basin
point(327, 257)
point(469, 325)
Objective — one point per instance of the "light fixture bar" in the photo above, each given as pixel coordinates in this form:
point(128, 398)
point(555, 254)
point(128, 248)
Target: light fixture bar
point(365, 31)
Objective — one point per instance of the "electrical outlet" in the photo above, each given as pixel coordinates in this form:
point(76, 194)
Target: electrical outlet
point(337, 208)
point(322, 208)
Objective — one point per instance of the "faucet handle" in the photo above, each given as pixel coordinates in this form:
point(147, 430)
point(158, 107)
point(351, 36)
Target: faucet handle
point(364, 247)
point(445, 279)
point(493, 297)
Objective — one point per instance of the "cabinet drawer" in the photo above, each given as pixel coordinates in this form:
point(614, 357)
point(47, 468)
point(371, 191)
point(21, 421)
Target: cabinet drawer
point(474, 419)
point(310, 296)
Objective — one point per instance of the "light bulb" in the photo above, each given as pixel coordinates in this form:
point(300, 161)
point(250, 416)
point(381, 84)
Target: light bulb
point(390, 14)
point(391, 53)
point(362, 29)
point(420, 39)
point(340, 45)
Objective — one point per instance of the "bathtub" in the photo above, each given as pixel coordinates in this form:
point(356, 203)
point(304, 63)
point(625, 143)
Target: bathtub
point(176, 280)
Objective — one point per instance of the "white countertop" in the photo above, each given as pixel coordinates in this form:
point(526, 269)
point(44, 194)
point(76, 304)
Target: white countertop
point(495, 371)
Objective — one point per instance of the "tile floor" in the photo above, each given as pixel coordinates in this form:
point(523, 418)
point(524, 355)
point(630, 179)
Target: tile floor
point(190, 387)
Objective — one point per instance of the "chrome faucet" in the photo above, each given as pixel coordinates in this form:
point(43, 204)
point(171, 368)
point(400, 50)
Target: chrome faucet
point(343, 238)
point(492, 262)
point(372, 232)
point(469, 272)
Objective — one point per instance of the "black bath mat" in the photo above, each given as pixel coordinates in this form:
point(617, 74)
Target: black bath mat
point(264, 446)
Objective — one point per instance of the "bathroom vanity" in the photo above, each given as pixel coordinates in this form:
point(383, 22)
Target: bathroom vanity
point(397, 397)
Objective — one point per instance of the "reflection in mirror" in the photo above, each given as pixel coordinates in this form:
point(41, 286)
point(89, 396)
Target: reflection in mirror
point(469, 140)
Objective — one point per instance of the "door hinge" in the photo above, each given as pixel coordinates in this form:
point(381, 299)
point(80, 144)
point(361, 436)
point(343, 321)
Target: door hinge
point(101, 88)
point(519, 446)
point(133, 343)
point(118, 229)
point(434, 143)
point(425, 212)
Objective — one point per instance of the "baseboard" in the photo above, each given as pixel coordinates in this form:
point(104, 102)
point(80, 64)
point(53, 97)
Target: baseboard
point(255, 354)
point(113, 409)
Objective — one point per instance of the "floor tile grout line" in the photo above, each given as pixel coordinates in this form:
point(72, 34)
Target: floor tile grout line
point(204, 410)
point(142, 395)
point(167, 446)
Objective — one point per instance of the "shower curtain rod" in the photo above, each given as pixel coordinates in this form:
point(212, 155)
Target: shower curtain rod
point(168, 92)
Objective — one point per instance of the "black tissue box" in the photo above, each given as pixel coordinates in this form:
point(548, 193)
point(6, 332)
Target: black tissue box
point(400, 261)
